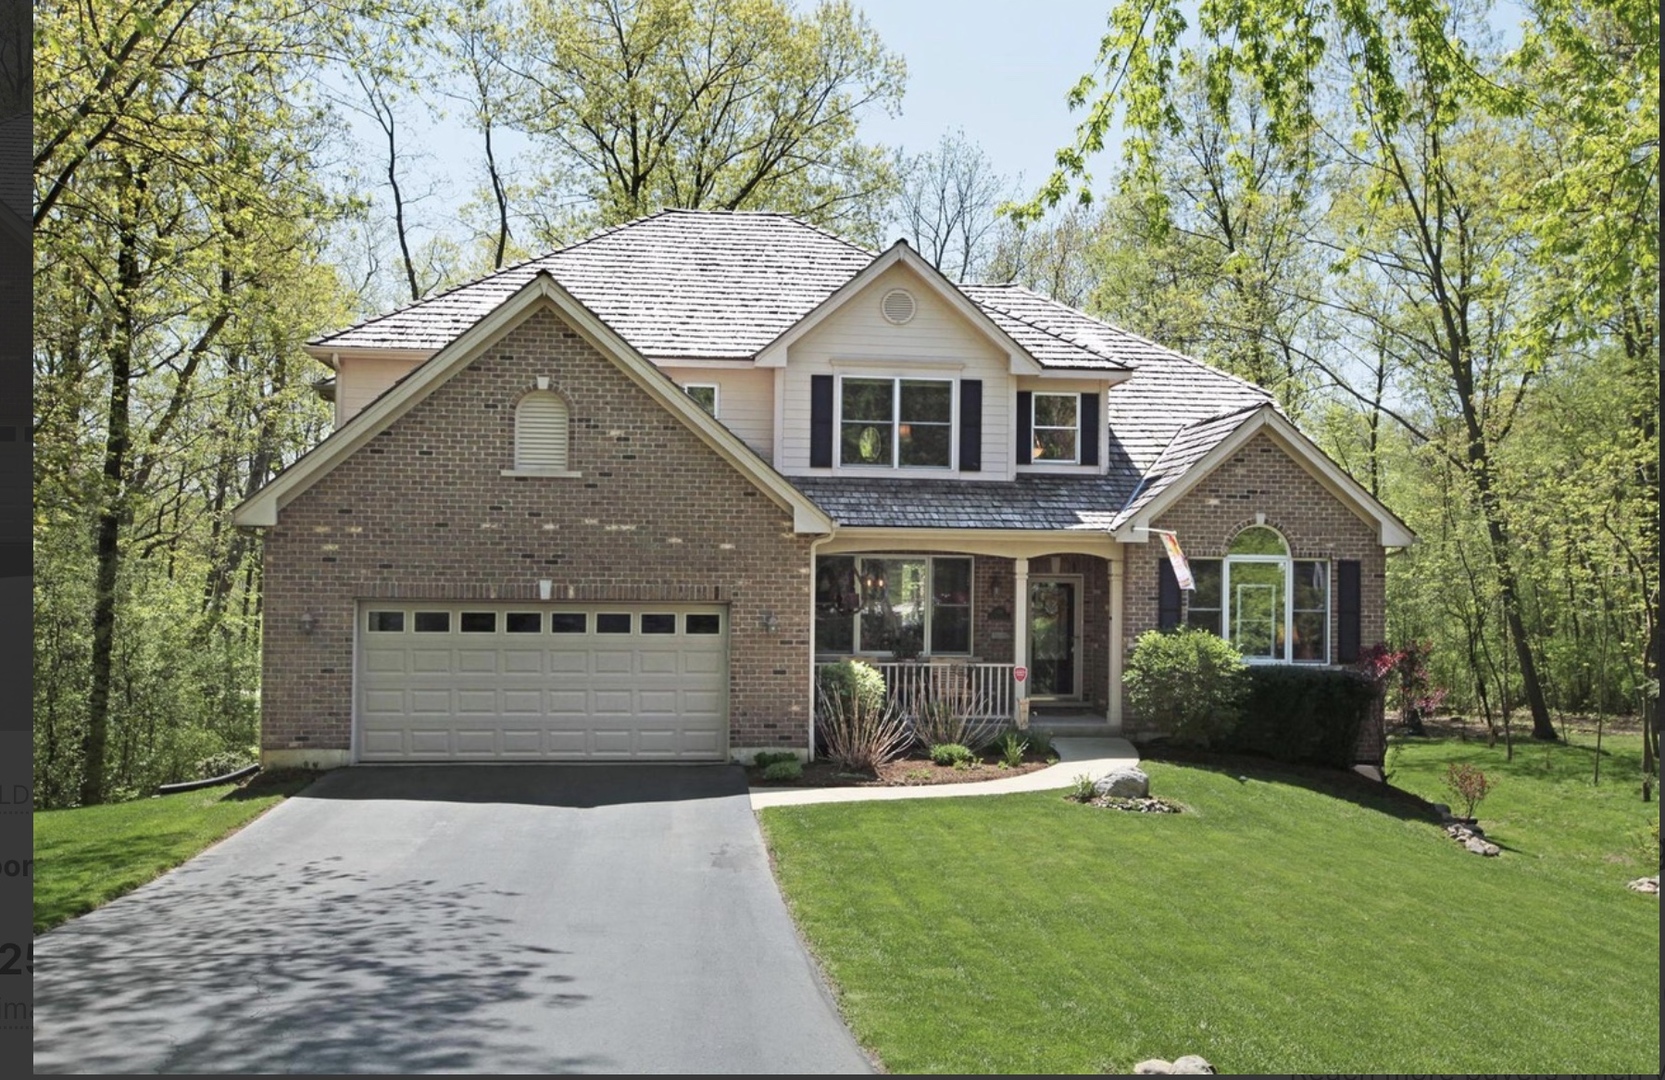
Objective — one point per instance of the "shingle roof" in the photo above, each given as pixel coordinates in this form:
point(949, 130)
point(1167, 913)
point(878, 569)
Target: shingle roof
point(715, 285)
point(1029, 502)
point(1188, 446)
point(677, 284)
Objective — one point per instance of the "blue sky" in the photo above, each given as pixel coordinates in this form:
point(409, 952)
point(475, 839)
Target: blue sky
point(997, 69)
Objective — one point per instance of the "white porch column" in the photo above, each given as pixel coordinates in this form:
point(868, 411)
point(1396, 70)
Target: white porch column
point(1116, 568)
point(1020, 624)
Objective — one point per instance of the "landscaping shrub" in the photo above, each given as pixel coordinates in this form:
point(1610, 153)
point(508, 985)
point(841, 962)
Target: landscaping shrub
point(1081, 788)
point(789, 769)
point(951, 754)
point(1468, 783)
point(852, 681)
point(1299, 714)
point(857, 733)
point(953, 714)
point(1188, 684)
point(1012, 747)
point(766, 758)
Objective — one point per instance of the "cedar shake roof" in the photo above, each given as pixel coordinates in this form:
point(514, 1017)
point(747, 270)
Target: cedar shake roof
point(679, 284)
point(720, 285)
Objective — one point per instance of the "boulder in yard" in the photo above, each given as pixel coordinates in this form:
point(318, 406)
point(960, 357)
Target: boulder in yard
point(1480, 847)
point(1645, 885)
point(1192, 1064)
point(1153, 1067)
point(1125, 783)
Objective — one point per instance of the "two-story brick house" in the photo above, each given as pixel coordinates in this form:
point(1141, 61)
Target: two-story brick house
point(617, 502)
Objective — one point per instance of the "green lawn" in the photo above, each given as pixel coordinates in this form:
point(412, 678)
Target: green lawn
point(91, 855)
point(1288, 924)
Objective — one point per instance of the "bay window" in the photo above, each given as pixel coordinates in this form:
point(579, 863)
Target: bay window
point(906, 423)
point(1274, 608)
point(904, 605)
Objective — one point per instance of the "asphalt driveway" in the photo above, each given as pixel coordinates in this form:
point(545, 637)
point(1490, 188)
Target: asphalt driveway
point(456, 919)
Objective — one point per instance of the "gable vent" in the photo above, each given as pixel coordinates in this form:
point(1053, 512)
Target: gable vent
point(898, 306)
point(541, 431)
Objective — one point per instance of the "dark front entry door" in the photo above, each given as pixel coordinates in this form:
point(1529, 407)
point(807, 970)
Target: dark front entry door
point(1052, 638)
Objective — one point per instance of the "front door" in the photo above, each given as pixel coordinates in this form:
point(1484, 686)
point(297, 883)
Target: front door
point(1054, 637)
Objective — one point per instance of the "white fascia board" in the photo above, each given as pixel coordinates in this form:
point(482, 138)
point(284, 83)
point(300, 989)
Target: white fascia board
point(1003, 543)
point(330, 355)
point(261, 508)
point(1018, 358)
point(1109, 378)
point(1391, 532)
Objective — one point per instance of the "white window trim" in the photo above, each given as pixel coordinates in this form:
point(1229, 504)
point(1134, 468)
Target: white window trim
point(561, 471)
point(1034, 399)
point(716, 395)
point(896, 468)
point(930, 605)
point(1288, 562)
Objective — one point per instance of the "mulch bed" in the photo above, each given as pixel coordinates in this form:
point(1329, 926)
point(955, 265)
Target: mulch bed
point(903, 772)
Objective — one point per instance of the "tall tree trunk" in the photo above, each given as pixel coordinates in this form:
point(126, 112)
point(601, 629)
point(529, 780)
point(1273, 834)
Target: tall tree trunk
point(112, 503)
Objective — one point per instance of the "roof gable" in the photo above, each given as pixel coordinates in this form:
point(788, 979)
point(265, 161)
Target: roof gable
point(262, 507)
point(1196, 450)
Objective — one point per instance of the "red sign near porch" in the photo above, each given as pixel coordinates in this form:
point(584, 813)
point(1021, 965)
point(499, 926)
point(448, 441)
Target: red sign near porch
point(1020, 673)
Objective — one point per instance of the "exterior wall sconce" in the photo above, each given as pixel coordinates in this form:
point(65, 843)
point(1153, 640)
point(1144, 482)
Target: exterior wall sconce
point(768, 621)
point(309, 622)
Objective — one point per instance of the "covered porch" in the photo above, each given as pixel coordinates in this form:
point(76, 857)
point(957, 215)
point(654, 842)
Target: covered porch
point(1001, 624)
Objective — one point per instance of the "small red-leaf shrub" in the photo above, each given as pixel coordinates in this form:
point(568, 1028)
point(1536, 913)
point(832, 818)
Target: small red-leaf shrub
point(1468, 784)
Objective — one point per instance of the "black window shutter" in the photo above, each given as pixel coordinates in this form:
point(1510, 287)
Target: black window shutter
point(1167, 595)
point(1347, 610)
point(971, 425)
point(820, 421)
point(1089, 429)
point(1025, 434)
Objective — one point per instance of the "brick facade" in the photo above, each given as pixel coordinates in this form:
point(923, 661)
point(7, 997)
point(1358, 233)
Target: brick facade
point(1260, 478)
point(421, 512)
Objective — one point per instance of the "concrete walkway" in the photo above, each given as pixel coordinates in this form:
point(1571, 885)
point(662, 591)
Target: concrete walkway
point(1093, 756)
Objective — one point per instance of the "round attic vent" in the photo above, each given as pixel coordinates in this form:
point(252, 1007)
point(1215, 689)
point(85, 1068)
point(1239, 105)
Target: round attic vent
point(898, 306)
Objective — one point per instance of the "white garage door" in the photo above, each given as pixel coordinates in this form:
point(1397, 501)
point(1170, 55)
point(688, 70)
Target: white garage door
point(538, 682)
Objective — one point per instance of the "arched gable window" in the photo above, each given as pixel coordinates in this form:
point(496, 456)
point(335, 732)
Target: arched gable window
point(541, 432)
point(1274, 608)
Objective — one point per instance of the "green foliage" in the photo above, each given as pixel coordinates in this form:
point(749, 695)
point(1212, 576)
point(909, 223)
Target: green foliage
point(765, 758)
point(720, 104)
point(790, 769)
point(852, 683)
point(951, 754)
point(1189, 684)
point(1081, 788)
point(1012, 747)
point(1302, 714)
point(1647, 844)
point(1468, 783)
point(859, 732)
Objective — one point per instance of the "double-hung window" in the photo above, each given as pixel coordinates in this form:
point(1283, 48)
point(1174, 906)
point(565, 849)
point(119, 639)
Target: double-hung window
point(1274, 608)
point(1056, 428)
point(897, 423)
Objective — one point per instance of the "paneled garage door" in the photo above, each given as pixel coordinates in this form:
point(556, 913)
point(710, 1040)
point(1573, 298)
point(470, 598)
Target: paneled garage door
point(539, 682)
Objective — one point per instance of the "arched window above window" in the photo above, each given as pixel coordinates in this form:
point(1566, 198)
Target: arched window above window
point(1271, 606)
point(541, 434)
point(1258, 540)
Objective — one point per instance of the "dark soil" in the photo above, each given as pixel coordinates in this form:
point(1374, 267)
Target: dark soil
point(907, 771)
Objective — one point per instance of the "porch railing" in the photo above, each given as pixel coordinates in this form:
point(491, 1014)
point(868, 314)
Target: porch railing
point(979, 691)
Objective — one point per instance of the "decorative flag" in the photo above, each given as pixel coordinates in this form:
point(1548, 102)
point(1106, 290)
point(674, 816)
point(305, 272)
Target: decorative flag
point(1176, 559)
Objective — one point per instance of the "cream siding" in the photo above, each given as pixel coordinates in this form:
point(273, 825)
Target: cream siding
point(745, 401)
point(359, 380)
point(937, 341)
point(1069, 386)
